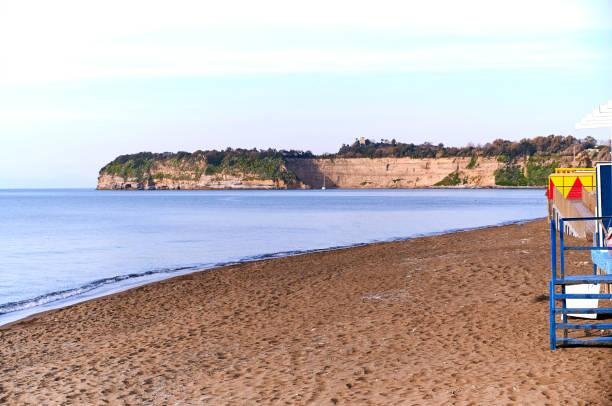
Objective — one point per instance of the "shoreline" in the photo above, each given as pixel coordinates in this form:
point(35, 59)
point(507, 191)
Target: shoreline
point(459, 187)
point(109, 289)
point(245, 189)
point(453, 318)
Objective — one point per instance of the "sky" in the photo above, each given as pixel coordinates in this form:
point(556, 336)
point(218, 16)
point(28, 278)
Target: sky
point(82, 82)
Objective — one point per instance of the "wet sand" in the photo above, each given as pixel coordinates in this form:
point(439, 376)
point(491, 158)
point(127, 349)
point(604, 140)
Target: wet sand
point(454, 319)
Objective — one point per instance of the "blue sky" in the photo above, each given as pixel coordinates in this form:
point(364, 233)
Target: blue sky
point(82, 83)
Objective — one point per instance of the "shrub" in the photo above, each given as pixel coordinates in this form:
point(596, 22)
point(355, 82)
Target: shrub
point(510, 175)
point(472, 163)
point(538, 171)
point(452, 179)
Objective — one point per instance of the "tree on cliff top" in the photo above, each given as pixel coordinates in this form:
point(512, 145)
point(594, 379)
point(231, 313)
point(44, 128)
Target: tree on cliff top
point(550, 145)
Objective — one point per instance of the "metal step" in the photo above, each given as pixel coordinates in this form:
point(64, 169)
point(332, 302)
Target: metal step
point(560, 296)
point(585, 326)
point(601, 310)
point(590, 279)
point(590, 341)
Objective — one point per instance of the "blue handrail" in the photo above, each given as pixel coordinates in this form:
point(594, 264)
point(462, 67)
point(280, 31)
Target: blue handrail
point(585, 218)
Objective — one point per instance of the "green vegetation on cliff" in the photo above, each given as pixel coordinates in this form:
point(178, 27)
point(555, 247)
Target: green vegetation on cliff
point(534, 173)
point(262, 164)
point(510, 175)
point(549, 145)
point(538, 169)
point(134, 166)
point(452, 179)
point(473, 162)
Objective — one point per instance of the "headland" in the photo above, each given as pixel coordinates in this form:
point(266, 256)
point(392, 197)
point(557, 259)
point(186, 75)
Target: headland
point(363, 165)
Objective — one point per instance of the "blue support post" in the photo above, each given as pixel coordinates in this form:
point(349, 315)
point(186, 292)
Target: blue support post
point(595, 243)
point(553, 327)
point(562, 272)
point(561, 249)
point(553, 270)
point(553, 250)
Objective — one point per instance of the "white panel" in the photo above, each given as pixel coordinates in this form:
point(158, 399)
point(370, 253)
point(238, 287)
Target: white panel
point(582, 303)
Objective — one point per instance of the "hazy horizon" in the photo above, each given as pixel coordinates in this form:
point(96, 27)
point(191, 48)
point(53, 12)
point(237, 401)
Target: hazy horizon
point(83, 83)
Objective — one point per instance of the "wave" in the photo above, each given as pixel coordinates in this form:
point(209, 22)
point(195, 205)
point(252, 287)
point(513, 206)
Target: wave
point(68, 293)
point(41, 300)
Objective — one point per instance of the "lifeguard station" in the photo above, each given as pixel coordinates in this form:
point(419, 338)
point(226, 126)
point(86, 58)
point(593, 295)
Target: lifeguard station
point(580, 208)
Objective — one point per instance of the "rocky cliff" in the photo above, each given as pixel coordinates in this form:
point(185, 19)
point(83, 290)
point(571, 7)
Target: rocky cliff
point(147, 171)
point(272, 169)
point(357, 173)
point(180, 182)
point(309, 173)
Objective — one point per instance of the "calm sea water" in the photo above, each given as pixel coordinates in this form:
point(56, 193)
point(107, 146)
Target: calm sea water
point(62, 246)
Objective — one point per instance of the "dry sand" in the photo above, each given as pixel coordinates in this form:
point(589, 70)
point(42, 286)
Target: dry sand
point(452, 319)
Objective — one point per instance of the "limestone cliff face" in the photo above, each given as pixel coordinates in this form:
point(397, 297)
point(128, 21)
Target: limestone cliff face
point(165, 175)
point(353, 173)
point(114, 182)
point(393, 172)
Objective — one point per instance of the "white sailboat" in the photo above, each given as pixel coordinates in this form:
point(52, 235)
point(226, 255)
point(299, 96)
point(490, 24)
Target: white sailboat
point(323, 188)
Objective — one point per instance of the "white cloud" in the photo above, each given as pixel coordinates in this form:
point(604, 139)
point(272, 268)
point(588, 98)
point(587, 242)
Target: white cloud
point(75, 40)
point(185, 61)
point(15, 116)
point(119, 17)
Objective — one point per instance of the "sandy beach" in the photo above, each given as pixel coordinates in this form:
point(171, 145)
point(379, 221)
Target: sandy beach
point(454, 319)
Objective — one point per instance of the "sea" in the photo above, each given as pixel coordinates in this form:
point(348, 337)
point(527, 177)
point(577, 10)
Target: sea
point(60, 247)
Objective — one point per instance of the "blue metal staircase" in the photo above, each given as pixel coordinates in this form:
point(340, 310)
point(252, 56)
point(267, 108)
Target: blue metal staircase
point(558, 295)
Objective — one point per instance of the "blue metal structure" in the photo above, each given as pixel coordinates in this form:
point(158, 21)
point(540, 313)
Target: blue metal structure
point(602, 258)
point(604, 192)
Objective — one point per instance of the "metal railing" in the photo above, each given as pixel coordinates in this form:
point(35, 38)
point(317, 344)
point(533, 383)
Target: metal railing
point(561, 279)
